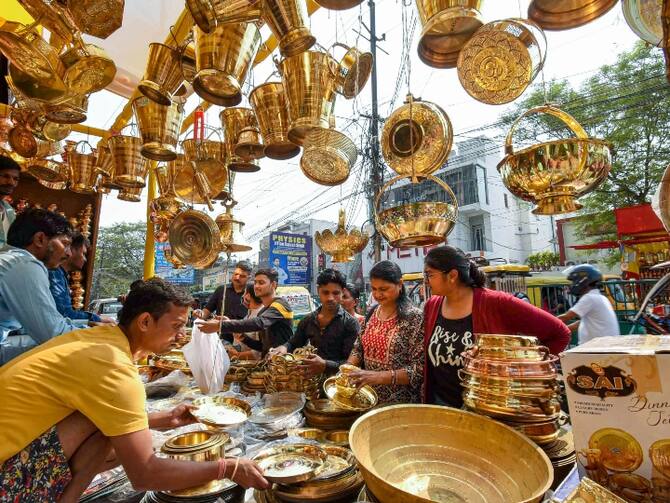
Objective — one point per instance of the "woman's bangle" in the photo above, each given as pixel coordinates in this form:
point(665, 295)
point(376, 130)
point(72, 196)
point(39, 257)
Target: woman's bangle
point(237, 463)
point(222, 469)
point(394, 378)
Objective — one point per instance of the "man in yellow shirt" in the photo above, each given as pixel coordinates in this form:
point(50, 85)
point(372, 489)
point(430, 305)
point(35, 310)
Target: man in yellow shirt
point(75, 406)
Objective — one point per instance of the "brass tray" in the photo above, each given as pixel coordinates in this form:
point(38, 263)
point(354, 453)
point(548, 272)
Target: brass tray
point(210, 489)
point(619, 451)
point(291, 463)
point(221, 411)
point(326, 407)
point(365, 399)
point(659, 453)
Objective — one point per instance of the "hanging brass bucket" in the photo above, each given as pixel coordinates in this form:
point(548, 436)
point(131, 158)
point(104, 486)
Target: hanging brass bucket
point(417, 138)
point(105, 164)
point(328, 156)
point(88, 69)
point(199, 183)
point(287, 19)
point(234, 120)
point(566, 14)
point(223, 59)
point(48, 91)
point(202, 12)
point(163, 74)
point(269, 104)
point(250, 144)
point(130, 168)
point(447, 26)
point(82, 169)
point(48, 170)
point(131, 195)
point(338, 4)
point(159, 127)
point(309, 84)
point(353, 71)
point(230, 229)
point(99, 18)
point(194, 238)
point(554, 174)
point(71, 111)
point(166, 206)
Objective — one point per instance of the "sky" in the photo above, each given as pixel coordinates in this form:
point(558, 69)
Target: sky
point(280, 191)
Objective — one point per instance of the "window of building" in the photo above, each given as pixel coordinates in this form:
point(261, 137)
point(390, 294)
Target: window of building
point(478, 240)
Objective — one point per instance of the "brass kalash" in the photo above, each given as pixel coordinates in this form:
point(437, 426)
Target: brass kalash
point(554, 174)
point(342, 245)
point(416, 141)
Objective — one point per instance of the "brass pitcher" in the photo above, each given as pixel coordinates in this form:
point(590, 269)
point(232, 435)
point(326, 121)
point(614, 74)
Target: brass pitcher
point(71, 111)
point(309, 83)
point(269, 104)
point(234, 120)
point(194, 238)
point(447, 26)
point(287, 19)
point(129, 165)
point(163, 74)
point(99, 18)
point(131, 195)
point(82, 169)
point(88, 69)
point(567, 14)
point(159, 127)
point(223, 59)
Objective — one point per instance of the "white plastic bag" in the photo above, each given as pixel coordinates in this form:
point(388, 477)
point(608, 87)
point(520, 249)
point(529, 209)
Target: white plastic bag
point(208, 360)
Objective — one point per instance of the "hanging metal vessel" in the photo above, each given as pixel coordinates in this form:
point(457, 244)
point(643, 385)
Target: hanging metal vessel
point(22, 141)
point(230, 229)
point(49, 91)
point(342, 245)
point(269, 104)
point(234, 120)
point(105, 163)
point(169, 256)
point(644, 18)
point(88, 69)
point(223, 59)
point(309, 84)
point(130, 167)
point(71, 111)
point(99, 18)
point(500, 61)
point(131, 195)
point(82, 170)
point(566, 14)
point(166, 206)
point(48, 170)
point(53, 185)
point(48, 148)
point(200, 174)
point(49, 131)
point(203, 14)
point(554, 174)
point(447, 27)
point(353, 71)
point(194, 238)
point(159, 127)
point(163, 74)
point(338, 4)
point(417, 138)
point(328, 156)
point(287, 19)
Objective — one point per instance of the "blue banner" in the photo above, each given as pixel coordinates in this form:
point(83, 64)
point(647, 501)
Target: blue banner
point(165, 270)
point(291, 257)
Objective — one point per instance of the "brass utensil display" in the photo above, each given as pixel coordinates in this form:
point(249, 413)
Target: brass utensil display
point(99, 18)
point(163, 75)
point(234, 120)
point(328, 155)
point(342, 245)
point(48, 170)
point(417, 138)
point(269, 104)
point(360, 400)
point(130, 194)
point(644, 18)
point(554, 174)
point(230, 230)
point(71, 111)
point(88, 69)
point(287, 464)
point(130, 167)
point(447, 26)
point(221, 412)
point(501, 59)
point(423, 453)
point(159, 128)
point(287, 19)
point(194, 239)
point(566, 14)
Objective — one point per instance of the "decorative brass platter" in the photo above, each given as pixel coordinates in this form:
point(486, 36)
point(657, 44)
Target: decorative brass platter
point(619, 451)
point(287, 464)
point(221, 411)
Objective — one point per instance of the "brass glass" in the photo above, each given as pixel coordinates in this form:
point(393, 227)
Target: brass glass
point(269, 104)
point(566, 14)
point(159, 127)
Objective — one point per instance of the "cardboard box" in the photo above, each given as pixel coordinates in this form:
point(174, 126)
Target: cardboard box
point(618, 391)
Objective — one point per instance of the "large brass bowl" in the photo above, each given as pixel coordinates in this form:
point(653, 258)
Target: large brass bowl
point(426, 453)
point(566, 14)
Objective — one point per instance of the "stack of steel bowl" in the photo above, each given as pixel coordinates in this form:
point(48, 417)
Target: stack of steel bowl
point(513, 379)
point(326, 415)
point(284, 373)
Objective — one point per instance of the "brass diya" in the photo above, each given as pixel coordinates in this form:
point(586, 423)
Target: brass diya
point(554, 174)
point(159, 128)
point(269, 104)
point(194, 238)
point(327, 156)
point(291, 463)
point(130, 167)
point(447, 26)
point(644, 18)
point(424, 453)
point(88, 69)
point(501, 59)
point(221, 412)
point(163, 74)
point(566, 14)
point(48, 170)
point(287, 19)
point(70, 111)
point(417, 138)
point(418, 223)
point(342, 245)
point(99, 18)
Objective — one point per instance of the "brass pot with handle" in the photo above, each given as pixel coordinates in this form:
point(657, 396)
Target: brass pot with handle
point(234, 120)
point(328, 156)
point(163, 74)
point(353, 71)
point(159, 127)
point(287, 19)
point(82, 169)
point(130, 167)
point(269, 104)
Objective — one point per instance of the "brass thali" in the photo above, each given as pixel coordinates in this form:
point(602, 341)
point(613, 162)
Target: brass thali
point(363, 400)
point(619, 451)
point(221, 411)
point(287, 464)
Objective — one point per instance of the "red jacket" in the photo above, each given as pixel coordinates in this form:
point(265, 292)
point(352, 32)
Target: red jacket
point(495, 312)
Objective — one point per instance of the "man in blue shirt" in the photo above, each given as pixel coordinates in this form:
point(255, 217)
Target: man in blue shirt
point(38, 240)
point(10, 172)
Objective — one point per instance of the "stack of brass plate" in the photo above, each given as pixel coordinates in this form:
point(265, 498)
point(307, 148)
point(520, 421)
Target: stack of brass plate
point(284, 373)
point(255, 381)
point(513, 379)
point(325, 414)
point(221, 412)
point(174, 360)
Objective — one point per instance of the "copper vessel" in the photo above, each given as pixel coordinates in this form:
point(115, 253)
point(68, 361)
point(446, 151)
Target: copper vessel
point(328, 156)
point(130, 194)
point(269, 104)
point(342, 245)
point(223, 59)
point(566, 14)
point(163, 74)
point(554, 174)
point(71, 111)
point(88, 69)
point(309, 84)
point(234, 120)
point(509, 368)
point(130, 168)
point(447, 26)
point(48, 170)
point(82, 169)
point(287, 19)
point(99, 18)
point(353, 71)
point(159, 127)
point(424, 453)
point(194, 238)
point(198, 178)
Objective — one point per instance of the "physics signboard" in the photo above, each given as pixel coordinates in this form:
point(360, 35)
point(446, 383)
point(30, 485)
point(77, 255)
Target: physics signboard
point(291, 257)
point(164, 269)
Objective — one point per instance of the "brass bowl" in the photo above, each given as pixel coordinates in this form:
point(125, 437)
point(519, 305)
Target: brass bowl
point(566, 14)
point(506, 341)
point(359, 400)
point(509, 368)
point(287, 464)
point(532, 353)
point(221, 411)
point(203, 445)
point(327, 408)
point(417, 224)
point(340, 462)
point(339, 438)
point(341, 488)
point(342, 245)
point(425, 453)
point(497, 405)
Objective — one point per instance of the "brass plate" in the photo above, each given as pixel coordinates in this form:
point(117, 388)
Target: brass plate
point(221, 411)
point(365, 399)
point(291, 463)
point(338, 462)
point(619, 451)
point(659, 452)
point(209, 489)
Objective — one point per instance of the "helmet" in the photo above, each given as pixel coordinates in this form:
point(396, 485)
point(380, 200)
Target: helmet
point(582, 277)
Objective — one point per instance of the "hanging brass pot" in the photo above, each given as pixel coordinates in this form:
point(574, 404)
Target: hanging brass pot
point(309, 83)
point(644, 17)
point(131, 195)
point(234, 120)
point(353, 71)
point(342, 245)
point(447, 26)
point(166, 206)
point(71, 111)
point(566, 14)
point(99, 18)
point(203, 14)
point(48, 149)
point(88, 69)
point(230, 229)
point(159, 127)
point(554, 174)
point(22, 141)
point(48, 170)
point(82, 170)
point(49, 91)
point(269, 104)
point(163, 74)
point(223, 59)
point(105, 164)
point(194, 238)
point(417, 138)
point(130, 168)
point(328, 156)
point(499, 61)
point(250, 144)
point(338, 4)
point(49, 131)
point(287, 19)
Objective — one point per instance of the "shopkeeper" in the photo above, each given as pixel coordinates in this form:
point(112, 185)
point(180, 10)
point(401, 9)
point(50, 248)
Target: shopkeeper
point(330, 329)
point(10, 172)
point(460, 308)
point(75, 406)
point(274, 320)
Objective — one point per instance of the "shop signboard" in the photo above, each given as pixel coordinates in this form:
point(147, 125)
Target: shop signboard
point(291, 257)
point(165, 270)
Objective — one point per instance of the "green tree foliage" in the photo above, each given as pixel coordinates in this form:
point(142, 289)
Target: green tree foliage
point(542, 261)
point(119, 259)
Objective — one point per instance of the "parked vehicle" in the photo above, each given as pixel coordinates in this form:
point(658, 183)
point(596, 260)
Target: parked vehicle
point(106, 307)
